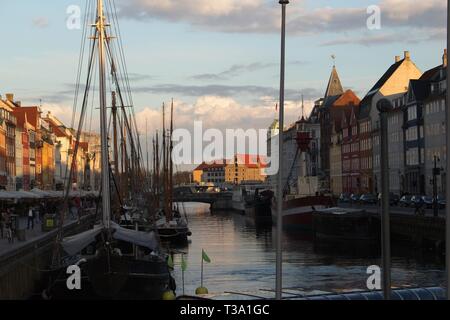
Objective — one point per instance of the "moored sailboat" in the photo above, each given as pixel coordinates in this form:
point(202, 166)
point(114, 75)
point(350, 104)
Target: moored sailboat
point(109, 260)
point(170, 223)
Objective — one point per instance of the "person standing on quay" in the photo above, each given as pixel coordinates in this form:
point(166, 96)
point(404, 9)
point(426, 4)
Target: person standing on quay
point(2, 223)
point(30, 218)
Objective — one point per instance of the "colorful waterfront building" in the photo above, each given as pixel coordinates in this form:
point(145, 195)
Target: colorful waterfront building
point(8, 125)
point(434, 115)
point(336, 159)
point(62, 143)
point(32, 115)
point(392, 85)
point(351, 157)
point(335, 102)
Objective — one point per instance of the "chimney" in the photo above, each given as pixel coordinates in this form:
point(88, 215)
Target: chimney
point(397, 59)
point(407, 55)
point(10, 97)
point(444, 58)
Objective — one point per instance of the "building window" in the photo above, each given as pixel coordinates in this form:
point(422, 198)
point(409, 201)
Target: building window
point(412, 113)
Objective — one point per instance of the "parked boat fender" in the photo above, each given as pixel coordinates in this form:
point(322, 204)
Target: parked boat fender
point(169, 296)
point(201, 290)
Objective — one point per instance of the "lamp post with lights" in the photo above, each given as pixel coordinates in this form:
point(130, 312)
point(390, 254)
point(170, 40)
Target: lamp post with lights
point(279, 247)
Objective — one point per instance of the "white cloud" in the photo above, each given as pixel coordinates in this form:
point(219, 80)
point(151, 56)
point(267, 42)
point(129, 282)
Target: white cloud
point(262, 16)
point(218, 15)
point(221, 113)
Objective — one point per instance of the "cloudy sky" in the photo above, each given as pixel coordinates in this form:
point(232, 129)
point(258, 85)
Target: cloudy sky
point(219, 59)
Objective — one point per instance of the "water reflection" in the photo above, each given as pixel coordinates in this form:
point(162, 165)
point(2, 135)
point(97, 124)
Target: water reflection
point(243, 258)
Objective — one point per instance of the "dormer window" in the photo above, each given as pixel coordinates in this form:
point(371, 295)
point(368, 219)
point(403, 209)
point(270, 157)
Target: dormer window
point(433, 88)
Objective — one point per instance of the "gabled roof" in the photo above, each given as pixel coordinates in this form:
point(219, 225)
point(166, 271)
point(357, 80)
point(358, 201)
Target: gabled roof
point(214, 164)
point(314, 116)
point(250, 160)
point(347, 114)
point(22, 119)
point(5, 105)
point(329, 101)
point(431, 74)
point(32, 114)
point(420, 90)
point(59, 131)
point(366, 102)
point(334, 87)
point(438, 78)
point(341, 106)
point(380, 83)
point(348, 98)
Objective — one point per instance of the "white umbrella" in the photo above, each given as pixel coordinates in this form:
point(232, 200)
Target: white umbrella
point(4, 195)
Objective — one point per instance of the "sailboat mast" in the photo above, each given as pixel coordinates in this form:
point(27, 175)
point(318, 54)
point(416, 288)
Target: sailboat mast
point(157, 172)
point(106, 208)
point(147, 169)
point(116, 148)
point(171, 164)
point(153, 169)
point(165, 173)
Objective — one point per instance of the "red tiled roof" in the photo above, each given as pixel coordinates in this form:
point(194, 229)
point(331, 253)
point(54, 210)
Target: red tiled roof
point(250, 161)
point(56, 128)
point(214, 164)
point(32, 115)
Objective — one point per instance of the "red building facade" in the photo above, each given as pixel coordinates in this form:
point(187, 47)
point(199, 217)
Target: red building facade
point(351, 180)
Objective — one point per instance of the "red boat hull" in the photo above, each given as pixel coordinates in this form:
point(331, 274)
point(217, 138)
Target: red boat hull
point(298, 213)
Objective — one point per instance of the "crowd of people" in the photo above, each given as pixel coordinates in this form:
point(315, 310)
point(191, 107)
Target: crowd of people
point(35, 213)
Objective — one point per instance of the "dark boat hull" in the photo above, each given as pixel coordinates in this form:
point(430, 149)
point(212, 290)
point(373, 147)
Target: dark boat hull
point(114, 278)
point(167, 234)
point(351, 227)
point(260, 211)
point(175, 235)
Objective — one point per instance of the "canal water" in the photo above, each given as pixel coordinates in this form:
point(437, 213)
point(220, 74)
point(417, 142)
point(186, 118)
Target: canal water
point(243, 259)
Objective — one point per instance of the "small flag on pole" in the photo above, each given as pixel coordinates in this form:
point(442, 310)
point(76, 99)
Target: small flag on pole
point(205, 257)
point(170, 262)
point(183, 263)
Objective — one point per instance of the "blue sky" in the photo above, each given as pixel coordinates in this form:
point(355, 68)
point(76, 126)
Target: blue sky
point(206, 54)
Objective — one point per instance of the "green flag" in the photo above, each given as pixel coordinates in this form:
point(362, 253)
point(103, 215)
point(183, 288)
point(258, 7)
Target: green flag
point(170, 261)
point(183, 263)
point(205, 257)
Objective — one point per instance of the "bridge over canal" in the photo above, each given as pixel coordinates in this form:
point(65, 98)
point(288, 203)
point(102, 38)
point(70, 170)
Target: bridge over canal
point(217, 200)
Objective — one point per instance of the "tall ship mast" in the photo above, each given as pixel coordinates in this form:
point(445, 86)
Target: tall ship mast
point(116, 259)
point(171, 225)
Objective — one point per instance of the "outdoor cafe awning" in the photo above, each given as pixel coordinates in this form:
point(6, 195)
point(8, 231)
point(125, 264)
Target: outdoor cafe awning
point(36, 194)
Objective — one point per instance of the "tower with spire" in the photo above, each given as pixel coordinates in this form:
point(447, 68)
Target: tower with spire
point(335, 102)
point(334, 87)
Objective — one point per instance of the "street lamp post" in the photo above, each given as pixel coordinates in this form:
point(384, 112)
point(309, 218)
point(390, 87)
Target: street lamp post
point(279, 247)
point(436, 172)
point(384, 106)
point(447, 176)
